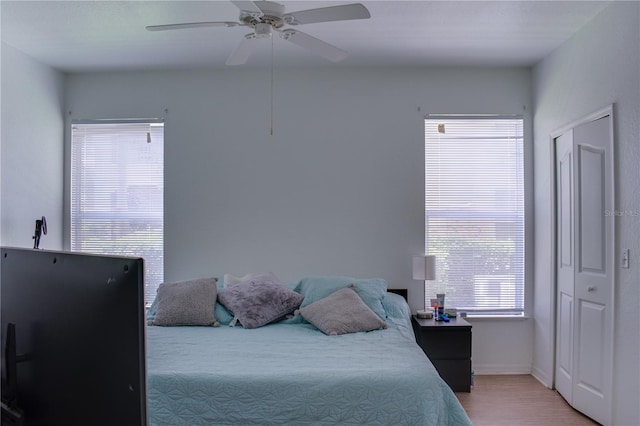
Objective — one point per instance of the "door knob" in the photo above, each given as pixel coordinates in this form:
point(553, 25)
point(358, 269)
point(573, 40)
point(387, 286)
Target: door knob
point(591, 288)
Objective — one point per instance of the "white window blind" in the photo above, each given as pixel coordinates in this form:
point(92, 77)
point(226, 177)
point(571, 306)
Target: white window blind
point(117, 187)
point(474, 212)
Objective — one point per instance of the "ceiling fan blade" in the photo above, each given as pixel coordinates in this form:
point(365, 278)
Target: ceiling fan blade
point(327, 14)
point(241, 53)
point(247, 6)
point(314, 45)
point(190, 25)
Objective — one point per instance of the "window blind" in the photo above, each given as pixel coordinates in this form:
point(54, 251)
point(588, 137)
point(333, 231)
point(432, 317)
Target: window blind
point(117, 192)
point(474, 212)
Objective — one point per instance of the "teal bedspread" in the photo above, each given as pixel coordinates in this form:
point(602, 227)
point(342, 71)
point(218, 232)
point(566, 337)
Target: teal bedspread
point(293, 374)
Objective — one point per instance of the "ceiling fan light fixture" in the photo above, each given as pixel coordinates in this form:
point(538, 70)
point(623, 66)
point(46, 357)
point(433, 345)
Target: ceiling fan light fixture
point(263, 30)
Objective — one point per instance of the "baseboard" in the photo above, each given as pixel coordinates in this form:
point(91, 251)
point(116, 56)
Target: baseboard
point(487, 369)
point(540, 376)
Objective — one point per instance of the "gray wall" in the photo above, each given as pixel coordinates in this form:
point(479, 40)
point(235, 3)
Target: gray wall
point(31, 150)
point(338, 188)
point(597, 67)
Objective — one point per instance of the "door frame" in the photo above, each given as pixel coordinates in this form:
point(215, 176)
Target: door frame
point(596, 115)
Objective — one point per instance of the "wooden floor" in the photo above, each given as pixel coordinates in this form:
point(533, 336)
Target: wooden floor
point(517, 400)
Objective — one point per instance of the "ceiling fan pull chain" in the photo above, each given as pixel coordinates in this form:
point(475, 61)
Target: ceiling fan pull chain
point(271, 88)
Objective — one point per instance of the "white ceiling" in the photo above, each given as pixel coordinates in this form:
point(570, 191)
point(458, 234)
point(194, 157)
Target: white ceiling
point(78, 36)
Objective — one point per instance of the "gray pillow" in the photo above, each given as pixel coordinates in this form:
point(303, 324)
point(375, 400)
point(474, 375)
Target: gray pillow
point(341, 312)
point(186, 303)
point(371, 290)
point(230, 280)
point(259, 300)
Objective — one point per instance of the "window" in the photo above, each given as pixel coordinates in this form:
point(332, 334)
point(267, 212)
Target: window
point(117, 187)
point(474, 212)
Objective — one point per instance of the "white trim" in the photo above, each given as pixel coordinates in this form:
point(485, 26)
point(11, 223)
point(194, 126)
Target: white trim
point(117, 121)
point(489, 317)
point(596, 115)
point(489, 369)
point(473, 116)
point(552, 254)
point(543, 378)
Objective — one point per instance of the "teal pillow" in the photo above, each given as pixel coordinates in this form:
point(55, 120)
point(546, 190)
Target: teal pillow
point(152, 310)
point(370, 290)
point(223, 316)
point(394, 305)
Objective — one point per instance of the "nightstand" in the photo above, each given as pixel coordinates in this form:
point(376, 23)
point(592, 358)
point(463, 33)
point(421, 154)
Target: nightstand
point(448, 346)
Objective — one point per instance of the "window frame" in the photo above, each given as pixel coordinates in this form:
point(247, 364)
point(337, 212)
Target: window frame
point(69, 194)
point(527, 227)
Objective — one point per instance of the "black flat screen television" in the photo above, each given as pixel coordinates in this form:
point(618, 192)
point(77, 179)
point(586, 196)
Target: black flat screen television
point(73, 342)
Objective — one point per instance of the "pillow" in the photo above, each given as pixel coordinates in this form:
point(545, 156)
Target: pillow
point(371, 290)
point(261, 299)
point(151, 311)
point(395, 306)
point(229, 280)
point(223, 316)
point(341, 312)
point(185, 303)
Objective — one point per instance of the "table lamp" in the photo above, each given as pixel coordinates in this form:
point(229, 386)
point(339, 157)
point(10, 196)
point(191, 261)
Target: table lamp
point(424, 268)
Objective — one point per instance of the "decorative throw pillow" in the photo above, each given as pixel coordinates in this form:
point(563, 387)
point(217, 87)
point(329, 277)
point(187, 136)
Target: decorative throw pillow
point(229, 280)
point(261, 299)
point(186, 303)
point(223, 316)
point(341, 312)
point(370, 290)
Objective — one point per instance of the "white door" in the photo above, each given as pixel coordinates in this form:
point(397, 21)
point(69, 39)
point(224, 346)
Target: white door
point(564, 264)
point(593, 338)
point(585, 259)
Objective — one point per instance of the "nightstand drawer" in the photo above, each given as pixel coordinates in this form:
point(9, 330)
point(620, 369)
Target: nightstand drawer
point(446, 344)
point(457, 373)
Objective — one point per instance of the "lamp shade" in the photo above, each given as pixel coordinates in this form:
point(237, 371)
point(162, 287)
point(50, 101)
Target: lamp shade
point(424, 267)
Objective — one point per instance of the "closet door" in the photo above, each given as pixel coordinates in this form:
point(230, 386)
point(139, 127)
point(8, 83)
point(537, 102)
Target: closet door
point(593, 338)
point(584, 266)
point(564, 264)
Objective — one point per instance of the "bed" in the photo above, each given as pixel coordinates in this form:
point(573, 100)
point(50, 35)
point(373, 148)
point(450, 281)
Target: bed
point(290, 373)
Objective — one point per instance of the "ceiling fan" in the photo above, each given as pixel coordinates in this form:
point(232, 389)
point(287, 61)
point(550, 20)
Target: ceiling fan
point(264, 17)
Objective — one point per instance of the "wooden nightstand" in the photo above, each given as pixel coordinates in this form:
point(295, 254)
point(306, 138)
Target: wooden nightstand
point(448, 346)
